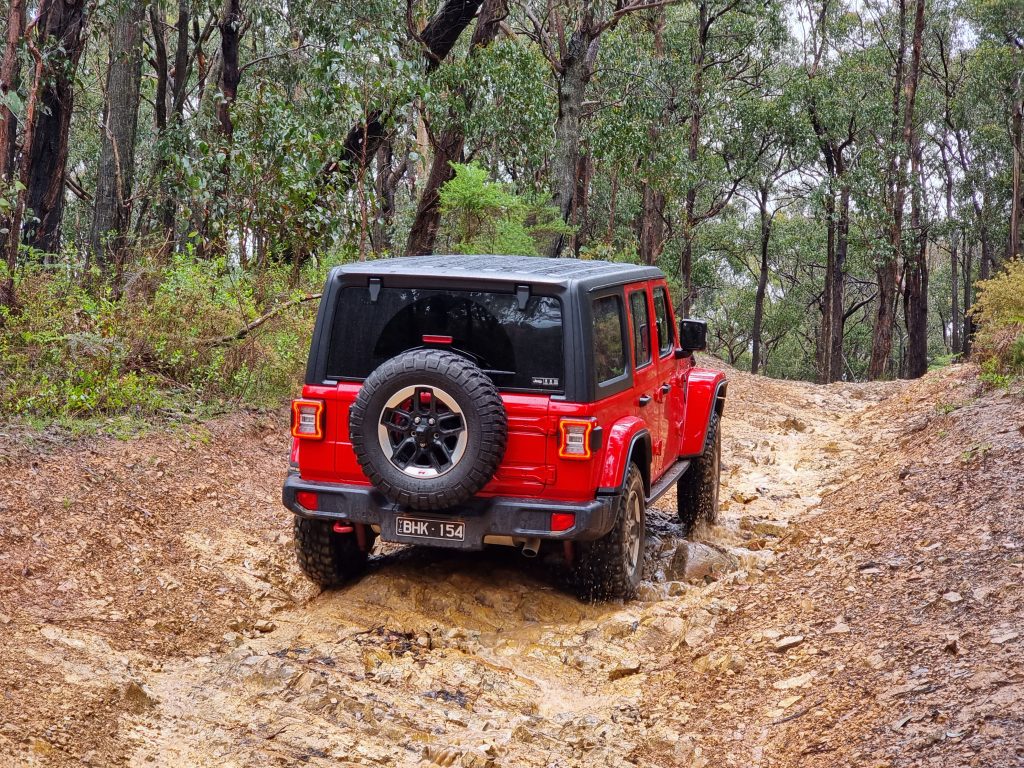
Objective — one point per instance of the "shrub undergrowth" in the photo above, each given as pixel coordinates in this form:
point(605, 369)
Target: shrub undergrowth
point(999, 314)
point(72, 353)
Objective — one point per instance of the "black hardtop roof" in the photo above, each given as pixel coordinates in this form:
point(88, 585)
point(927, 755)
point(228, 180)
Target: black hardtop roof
point(518, 269)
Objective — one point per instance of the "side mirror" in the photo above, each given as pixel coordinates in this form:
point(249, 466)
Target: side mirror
point(693, 336)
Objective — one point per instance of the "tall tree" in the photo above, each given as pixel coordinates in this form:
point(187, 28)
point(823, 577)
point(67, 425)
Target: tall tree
point(9, 72)
point(448, 143)
point(61, 41)
point(569, 35)
point(14, 223)
point(116, 170)
point(905, 82)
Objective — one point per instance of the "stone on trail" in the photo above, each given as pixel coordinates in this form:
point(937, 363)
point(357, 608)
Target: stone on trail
point(784, 644)
point(694, 561)
point(793, 682)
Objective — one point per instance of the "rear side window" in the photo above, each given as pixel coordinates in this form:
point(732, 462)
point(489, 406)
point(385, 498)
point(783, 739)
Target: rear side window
point(641, 328)
point(609, 339)
point(662, 323)
point(518, 348)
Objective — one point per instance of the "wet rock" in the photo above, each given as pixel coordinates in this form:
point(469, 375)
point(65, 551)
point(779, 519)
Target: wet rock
point(233, 639)
point(137, 699)
point(999, 637)
point(784, 644)
point(800, 681)
point(768, 528)
point(624, 668)
point(795, 424)
point(744, 497)
point(695, 561)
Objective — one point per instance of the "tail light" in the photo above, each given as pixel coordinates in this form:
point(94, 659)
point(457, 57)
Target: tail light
point(575, 438)
point(308, 500)
point(562, 521)
point(308, 419)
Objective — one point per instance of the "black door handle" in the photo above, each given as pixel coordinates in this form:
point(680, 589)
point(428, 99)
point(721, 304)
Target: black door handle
point(644, 400)
point(666, 388)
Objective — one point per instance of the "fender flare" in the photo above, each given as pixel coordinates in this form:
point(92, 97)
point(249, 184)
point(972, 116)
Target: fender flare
point(625, 437)
point(705, 395)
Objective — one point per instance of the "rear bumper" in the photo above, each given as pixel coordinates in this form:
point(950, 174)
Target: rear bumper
point(496, 516)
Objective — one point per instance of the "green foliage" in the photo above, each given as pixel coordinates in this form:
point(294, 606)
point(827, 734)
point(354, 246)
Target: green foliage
point(484, 216)
point(68, 354)
point(999, 313)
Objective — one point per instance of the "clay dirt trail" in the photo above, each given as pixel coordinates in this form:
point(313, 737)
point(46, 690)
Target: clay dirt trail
point(864, 609)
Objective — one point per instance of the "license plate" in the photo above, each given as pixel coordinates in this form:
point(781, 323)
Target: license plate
point(449, 530)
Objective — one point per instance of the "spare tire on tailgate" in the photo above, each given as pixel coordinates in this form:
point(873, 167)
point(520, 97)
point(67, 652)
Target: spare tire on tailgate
point(428, 428)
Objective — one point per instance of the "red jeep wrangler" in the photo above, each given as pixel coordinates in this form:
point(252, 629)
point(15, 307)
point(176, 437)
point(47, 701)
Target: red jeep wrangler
point(459, 401)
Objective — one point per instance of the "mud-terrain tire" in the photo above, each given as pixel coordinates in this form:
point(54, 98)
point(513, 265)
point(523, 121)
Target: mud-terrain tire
point(610, 568)
point(697, 489)
point(328, 558)
point(437, 465)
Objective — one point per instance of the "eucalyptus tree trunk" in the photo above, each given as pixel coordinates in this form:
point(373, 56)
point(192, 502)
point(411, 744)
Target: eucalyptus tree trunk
point(1017, 186)
point(577, 68)
point(230, 23)
point(9, 76)
point(365, 136)
point(652, 224)
point(449, 144)
point(762, 279)
point(968, 336)
point(113, 208)
point(837, 323)
point(61, 39)
point(915, 284)
point(881, 344)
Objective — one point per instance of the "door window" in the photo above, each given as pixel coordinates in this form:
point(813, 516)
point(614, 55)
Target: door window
point(641, 328)
point(609, 340)
point(662, 322)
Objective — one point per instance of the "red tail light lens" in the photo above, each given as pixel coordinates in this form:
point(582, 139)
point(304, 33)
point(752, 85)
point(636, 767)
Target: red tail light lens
point(562, 521)
point(575, 438)
point(308, 419)
point(308, 500)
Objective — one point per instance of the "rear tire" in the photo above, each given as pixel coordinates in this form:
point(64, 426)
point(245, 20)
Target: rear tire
point(330, 559)
point(610, 568)
point(697, 489)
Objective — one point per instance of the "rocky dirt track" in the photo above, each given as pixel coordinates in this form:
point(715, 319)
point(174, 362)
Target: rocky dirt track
point(863, 607)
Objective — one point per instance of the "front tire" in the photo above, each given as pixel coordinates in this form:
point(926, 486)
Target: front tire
point(697, 489)
point(610, 568)
point(329, 559)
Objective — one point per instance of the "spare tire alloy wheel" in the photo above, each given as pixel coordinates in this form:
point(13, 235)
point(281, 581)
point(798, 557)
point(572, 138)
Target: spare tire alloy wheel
point(429, 429)
point(422, 431)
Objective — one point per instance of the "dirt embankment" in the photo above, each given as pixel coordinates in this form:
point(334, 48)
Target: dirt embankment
point(866, 609)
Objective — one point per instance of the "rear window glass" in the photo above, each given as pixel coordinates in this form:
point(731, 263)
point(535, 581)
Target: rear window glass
point(517, 348)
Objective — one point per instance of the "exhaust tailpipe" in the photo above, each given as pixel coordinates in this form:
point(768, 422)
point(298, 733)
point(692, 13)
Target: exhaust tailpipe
point(531, 547)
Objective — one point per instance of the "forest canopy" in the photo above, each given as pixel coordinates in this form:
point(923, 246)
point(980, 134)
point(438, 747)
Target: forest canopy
point(826, 182)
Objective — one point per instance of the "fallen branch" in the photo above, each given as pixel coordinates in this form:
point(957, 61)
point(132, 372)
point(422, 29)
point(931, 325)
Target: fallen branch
point(247, 329)
point(798, 713)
